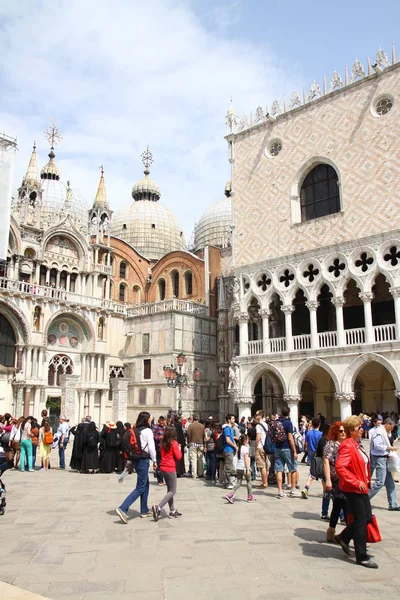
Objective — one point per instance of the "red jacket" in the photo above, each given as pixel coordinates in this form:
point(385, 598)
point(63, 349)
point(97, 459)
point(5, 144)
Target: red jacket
point(168, 459)
point(351, 468)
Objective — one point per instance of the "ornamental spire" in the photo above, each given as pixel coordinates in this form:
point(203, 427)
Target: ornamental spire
point(50, 171)
point(101, 196)
point(147, 160)
point(32, 175)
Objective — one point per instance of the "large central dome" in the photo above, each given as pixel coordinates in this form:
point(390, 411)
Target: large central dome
point(147, 225)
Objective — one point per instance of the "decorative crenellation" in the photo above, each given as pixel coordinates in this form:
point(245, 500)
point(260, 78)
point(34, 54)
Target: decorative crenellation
point(357, 73)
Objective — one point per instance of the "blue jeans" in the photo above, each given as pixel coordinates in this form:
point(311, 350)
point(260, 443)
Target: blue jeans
point(141, 467)
point(383, 478)
point(61, 453)
point(211, 460)
point(325, 506)
point(26, 449)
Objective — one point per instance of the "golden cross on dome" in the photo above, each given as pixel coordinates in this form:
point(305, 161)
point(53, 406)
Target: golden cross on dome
point(147, 158)
point(53, 134)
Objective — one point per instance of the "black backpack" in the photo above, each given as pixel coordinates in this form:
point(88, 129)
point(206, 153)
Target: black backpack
point(220, 444)
point(92, 440)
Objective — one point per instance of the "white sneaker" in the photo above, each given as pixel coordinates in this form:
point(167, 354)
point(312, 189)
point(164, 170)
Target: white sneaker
point(123, 516)
point(229, 487)
point(294, 494)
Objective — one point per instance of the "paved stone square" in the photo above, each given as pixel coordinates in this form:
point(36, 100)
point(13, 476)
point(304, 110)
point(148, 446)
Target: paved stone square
point(61, 539)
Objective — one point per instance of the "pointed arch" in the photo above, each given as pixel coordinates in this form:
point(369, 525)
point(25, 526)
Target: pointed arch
point(358, 363)
point(17, 321)
point(302, 370)
point(253, 376)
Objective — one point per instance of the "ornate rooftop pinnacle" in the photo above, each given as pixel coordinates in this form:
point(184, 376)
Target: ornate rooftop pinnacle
point(32, 175)
point(101, 196)
point(146, 189)
point(50, 171)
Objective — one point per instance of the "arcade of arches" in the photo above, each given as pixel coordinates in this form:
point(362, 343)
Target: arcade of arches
point(373, 391)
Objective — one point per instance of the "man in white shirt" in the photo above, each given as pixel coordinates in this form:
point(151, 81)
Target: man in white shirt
point(380, 447)
point(63, 438)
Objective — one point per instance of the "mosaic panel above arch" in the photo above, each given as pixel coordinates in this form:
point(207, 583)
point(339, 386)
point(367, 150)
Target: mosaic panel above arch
point(67, 333)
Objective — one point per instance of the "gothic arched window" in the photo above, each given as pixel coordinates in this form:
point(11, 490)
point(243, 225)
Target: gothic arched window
point(319, 194)
point(189, 283)
point(7, 343)
point(161, 289)
point(175, 283)
point(122, 293)
point(122, 270)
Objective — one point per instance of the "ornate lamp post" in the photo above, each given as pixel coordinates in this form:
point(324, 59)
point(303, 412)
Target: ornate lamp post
point(176, 379)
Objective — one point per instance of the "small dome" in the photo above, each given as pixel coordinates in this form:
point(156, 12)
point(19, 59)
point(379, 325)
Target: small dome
point(215, 225)
point(50, 170)
point(146, 189)
point(150, 228)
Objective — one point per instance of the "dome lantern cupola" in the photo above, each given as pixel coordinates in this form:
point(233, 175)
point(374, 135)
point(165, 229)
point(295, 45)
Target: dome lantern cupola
point(50, 170)
point(146, 188)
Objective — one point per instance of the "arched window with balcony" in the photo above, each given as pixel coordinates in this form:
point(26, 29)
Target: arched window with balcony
point(161, 289)
point(175, 283)
point(136, 291)
point(61, 364)
point(319, 194)
point(122, 269)
point(189, 283)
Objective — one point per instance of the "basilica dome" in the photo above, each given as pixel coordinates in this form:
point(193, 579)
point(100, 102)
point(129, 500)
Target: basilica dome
point(215, 225)
point(147, 225)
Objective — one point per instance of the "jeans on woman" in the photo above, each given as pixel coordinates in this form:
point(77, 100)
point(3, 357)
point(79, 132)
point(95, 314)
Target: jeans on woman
point(171, 481)
point(141, 490)
point(325, 506)
point(360, 507)
point(211, 464)
point(26, 449)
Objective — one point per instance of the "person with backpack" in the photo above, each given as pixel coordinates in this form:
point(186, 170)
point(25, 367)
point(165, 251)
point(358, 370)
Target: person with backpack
point(170, 453)
point(139, 448)
point(261, 455)
point(45, 443)
point(229, 449)
point(109, 447)
point(312, 438)
point(90, 455)
point(281, 434)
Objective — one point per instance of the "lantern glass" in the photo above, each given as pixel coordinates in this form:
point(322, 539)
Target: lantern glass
point(167, 371)
point(181, 359)
point(196, 374)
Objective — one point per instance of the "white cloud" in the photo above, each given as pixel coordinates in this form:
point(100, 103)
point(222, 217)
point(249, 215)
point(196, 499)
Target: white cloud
point(120, 75)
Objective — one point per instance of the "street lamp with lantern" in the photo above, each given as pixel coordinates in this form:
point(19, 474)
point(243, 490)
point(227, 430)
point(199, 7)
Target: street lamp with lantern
point(176, 379)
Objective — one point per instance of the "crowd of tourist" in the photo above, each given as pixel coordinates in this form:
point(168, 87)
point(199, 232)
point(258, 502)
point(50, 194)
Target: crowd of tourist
point(262, 447)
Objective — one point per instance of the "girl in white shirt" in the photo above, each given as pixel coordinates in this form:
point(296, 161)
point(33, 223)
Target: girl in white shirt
point(242, 470)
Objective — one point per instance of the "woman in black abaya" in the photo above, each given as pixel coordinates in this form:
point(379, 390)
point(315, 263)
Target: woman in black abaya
point(77, 448)
point(90, 459)
point(108, 448)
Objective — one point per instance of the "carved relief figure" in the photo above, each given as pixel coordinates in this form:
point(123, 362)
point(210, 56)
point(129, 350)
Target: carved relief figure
point(235, 289)
point(233, 375)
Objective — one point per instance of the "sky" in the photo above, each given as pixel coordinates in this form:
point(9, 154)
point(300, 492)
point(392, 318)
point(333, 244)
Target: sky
point(118, 75)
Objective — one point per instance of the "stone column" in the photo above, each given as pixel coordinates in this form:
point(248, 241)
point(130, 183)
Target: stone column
point(81, 411)
point(338, 303)
point(58, 276)
point(27, 401)
point(20, 353)
point(37, 273)
point(265, 315)
point(68, 283)
point(108, 288)
point(47, 282)
point(36, 402)
point(345, 400)
point(312, 307)
point(19, 401)
point(92, 395)
point(287, 310)
point(243, 333)
point(103, 403)
point(396, 299)
point(105, 370)
point(366, 298)
point(292, 401)
point(119, 389)
point(244, 406)
point(69, 402)
point(92, 368)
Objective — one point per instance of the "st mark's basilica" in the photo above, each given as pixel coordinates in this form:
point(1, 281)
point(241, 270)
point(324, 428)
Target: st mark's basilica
point(289, 293)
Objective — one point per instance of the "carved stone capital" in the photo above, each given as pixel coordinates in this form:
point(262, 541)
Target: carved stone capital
point(244, 400)
point(345, 397)
point(287, 308)
point(292, 399)
point(312, 305)
point(395, 291)
point(338, 301)
point(264, 312)
point(365, 296)
point(244, 317)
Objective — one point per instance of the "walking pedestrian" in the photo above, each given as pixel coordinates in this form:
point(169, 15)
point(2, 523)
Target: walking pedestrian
point(170, 452)
point(26, 443)
point(242, 470)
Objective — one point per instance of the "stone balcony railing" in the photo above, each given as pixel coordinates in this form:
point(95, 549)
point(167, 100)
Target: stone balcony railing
point(23, 289)
point(326, 339)
point(102, 269)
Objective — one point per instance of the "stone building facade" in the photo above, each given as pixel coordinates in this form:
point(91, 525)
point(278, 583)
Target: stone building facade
point(309, 307)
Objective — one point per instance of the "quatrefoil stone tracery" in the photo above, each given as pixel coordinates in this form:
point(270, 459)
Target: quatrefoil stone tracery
point(264, 282)
point(286, 278)
point(336, 267)
point(310, 273)
point(393, 256)
point(364, 262)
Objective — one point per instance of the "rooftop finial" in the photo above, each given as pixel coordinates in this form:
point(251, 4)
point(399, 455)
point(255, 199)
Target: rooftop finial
point(147, 160)
point(101, 196)
point(53, 134)
point(32, 175)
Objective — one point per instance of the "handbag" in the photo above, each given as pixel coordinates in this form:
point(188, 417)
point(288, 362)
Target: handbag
point(393, 462)
point(373, 533)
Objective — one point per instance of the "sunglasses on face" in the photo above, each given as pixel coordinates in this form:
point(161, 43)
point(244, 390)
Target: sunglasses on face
point(360, 427)
point(341, 431)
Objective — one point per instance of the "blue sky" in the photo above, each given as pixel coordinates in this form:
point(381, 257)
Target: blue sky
point(118, 75)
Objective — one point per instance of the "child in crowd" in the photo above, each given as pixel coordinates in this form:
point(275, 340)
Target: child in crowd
point(170, 454)
point(242, 470)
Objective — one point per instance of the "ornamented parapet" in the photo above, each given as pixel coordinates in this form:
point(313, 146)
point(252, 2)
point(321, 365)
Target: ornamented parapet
point(357, 73)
